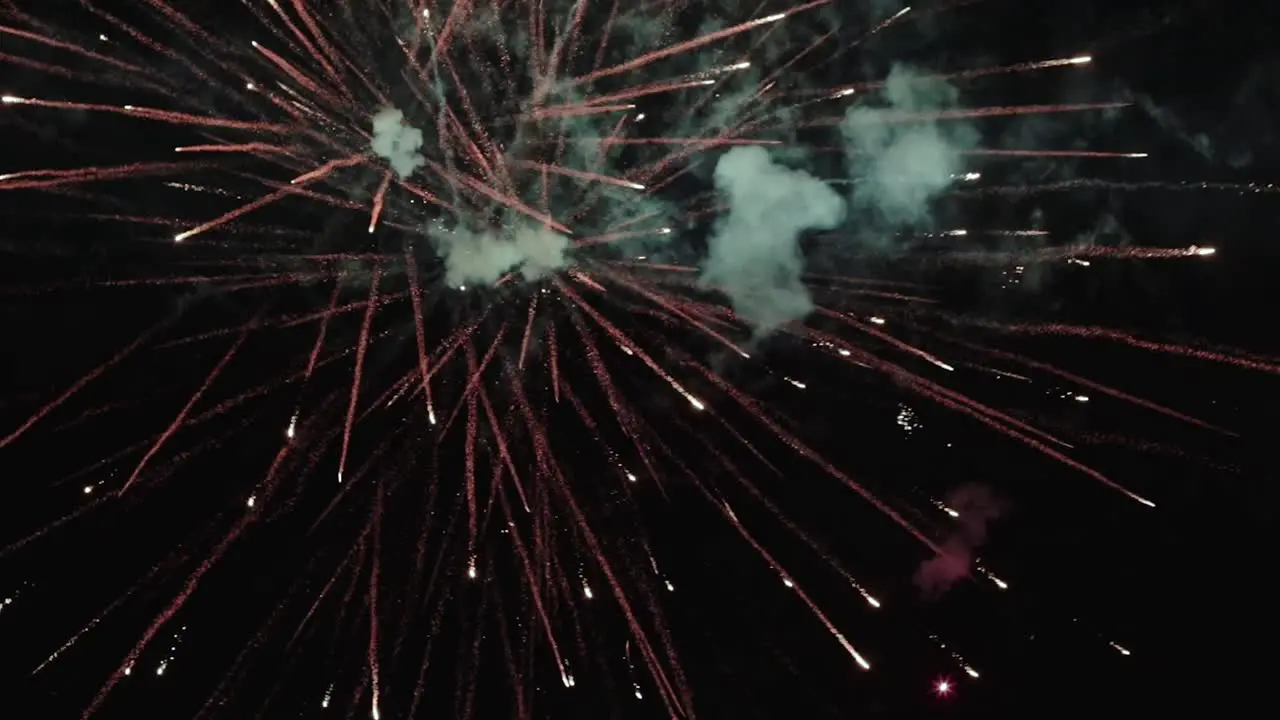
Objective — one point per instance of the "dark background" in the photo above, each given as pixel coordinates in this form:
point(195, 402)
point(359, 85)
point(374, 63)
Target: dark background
point(1184, 586)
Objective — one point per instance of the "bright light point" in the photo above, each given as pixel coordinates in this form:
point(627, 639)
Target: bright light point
point(160, 670)
point(670, 587)
point(1081, 60)
point(339, 477)
point(181, 236)
point(631, 477)
point(636, 186)
point(971, 672)
point(128, 670)
point(10, 100)
point(251, 501)
point(639, 117)
point(1082, 398)
point(250, 87)
point(951, 512)
point(88, 489)
point(943, 687)
point(471, 571)
point(1121, 650)
point(877, 320)
point(665, 231)
point(462, 288)
point(696, 403)
point(873, 602)
point(586, 590)
point(787, 582)
point(797, 383)
point(771, 18)
point(639, 696)
point(1202, 251)
point(1144, 501)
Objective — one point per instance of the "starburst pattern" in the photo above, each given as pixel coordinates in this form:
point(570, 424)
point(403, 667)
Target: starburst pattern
point(506, 265)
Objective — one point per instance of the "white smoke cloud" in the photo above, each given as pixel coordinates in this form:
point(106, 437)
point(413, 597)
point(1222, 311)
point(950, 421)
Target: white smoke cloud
point(753, 256)
point(397, 142)
point(476, 258)
point(902, 162)
point(480, 258)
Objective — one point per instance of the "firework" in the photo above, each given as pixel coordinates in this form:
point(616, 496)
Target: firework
point(483, 239)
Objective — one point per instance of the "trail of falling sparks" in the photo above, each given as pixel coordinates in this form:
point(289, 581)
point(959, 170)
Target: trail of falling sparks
point(361, 347)
point(813, 607)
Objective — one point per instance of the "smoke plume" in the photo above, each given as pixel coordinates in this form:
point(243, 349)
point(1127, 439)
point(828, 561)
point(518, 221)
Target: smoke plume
point(480, 258)
point(397, 142)
point(752, 255)
point(900, 156)
point(976, 507)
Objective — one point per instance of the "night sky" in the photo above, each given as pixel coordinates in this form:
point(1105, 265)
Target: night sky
point(1111, 606)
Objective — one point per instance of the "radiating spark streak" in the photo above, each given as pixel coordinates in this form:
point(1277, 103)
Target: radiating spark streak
point(288, 68)
point(582, 175)
point(378, 198)
point(374, 577)
point(621, 338)
point(500, 438)
point(896, 342)
point(616, 236)
point(71, 47)
point(566, 111)
point(419, 331)
point(528, 331)
point(167, 116)
point(43, 179)
point(983, 72)
point(297, 182)
point(79, 385)
point(1074, 252)
point(252, 147)
point(1092, 385)
point(693, 44)
point(642, 91)
point(1084, 331)
point(306, 43)
point(527, 565)
point(813, 607)
point(893, 117)
point(1054, 153)
point(361, 348)
point(186, 409)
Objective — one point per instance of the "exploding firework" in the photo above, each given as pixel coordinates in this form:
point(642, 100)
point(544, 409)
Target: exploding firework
point(505, 265)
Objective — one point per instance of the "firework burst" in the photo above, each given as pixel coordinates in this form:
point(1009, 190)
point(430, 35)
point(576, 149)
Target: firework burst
point(486, 245)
